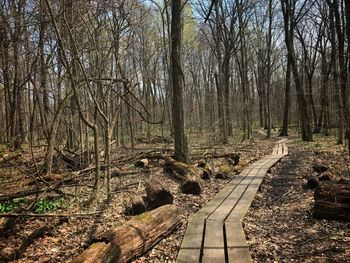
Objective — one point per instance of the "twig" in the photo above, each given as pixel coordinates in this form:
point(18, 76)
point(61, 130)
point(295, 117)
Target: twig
point(82, 215)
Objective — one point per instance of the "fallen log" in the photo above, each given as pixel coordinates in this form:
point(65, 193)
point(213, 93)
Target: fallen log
point(158, 194)
point(9, 157)
point(99, 253)
point(336, 193)
point(134, 238)
point(116, 172)
point(188, 174)
point(75, 162)
point(234, 156)
point(331, 211)
point(134, 204)
point(7, 223)
point(332, 201)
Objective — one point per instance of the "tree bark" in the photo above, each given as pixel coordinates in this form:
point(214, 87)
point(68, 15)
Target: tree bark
point(181, 147)
point(288, 84)
point(134, 204)
point(188, 174)
point(332, 201)
point(134, 238)
point(158, 194)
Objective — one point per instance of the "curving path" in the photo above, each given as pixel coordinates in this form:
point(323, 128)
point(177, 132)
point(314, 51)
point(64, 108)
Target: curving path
point(215, 233)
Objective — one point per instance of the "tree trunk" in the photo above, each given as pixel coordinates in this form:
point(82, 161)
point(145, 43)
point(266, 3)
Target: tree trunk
point(181, 147)
point(288, 83)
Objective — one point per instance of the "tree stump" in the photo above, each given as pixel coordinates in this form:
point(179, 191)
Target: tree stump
point(134, 204)
point(134, 238)
point(332, 201)
point(206, 173)
point(158, 194)
point(312, 182)
point(188, 174)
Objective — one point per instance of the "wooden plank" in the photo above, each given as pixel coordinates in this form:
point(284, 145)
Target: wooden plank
point(280, 148)
point(274, 150)
point(239, 255)
point(235, 236)
point(187, 255)
point(219, 198)
point(243, 205)
point(214, 247)
point(194, 233)
point(225, 208)
point(213, 255)
point(214, 234)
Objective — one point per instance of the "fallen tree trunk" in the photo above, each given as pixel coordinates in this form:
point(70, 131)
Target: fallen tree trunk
point(75, 162)
point(337, 193)
point(332, 201)
point(134, 238)
point(188, 174)
point(332, 211)
point(233, 156)
point(158, 194)
point(116, 172)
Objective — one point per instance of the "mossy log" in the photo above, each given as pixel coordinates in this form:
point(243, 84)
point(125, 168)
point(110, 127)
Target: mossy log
point(188, 174)
point(134, 238)
point(158, 194)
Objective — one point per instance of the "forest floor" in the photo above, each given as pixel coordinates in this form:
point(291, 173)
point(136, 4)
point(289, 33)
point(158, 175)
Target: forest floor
point(279, 225)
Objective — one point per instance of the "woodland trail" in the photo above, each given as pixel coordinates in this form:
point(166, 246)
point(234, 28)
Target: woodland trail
point(215, 233)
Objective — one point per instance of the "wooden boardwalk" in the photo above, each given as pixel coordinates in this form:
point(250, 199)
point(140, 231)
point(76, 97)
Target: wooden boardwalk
point(215, 233)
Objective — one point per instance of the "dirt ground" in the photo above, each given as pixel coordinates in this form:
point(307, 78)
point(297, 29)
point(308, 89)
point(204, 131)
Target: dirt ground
point(279, 225)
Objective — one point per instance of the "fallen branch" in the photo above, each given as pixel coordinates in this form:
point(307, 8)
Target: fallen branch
point(49, 215)
point(39, 232)
point(33, 191)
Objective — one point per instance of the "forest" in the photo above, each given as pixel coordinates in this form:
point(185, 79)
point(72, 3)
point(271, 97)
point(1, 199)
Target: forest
point(174, 131)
